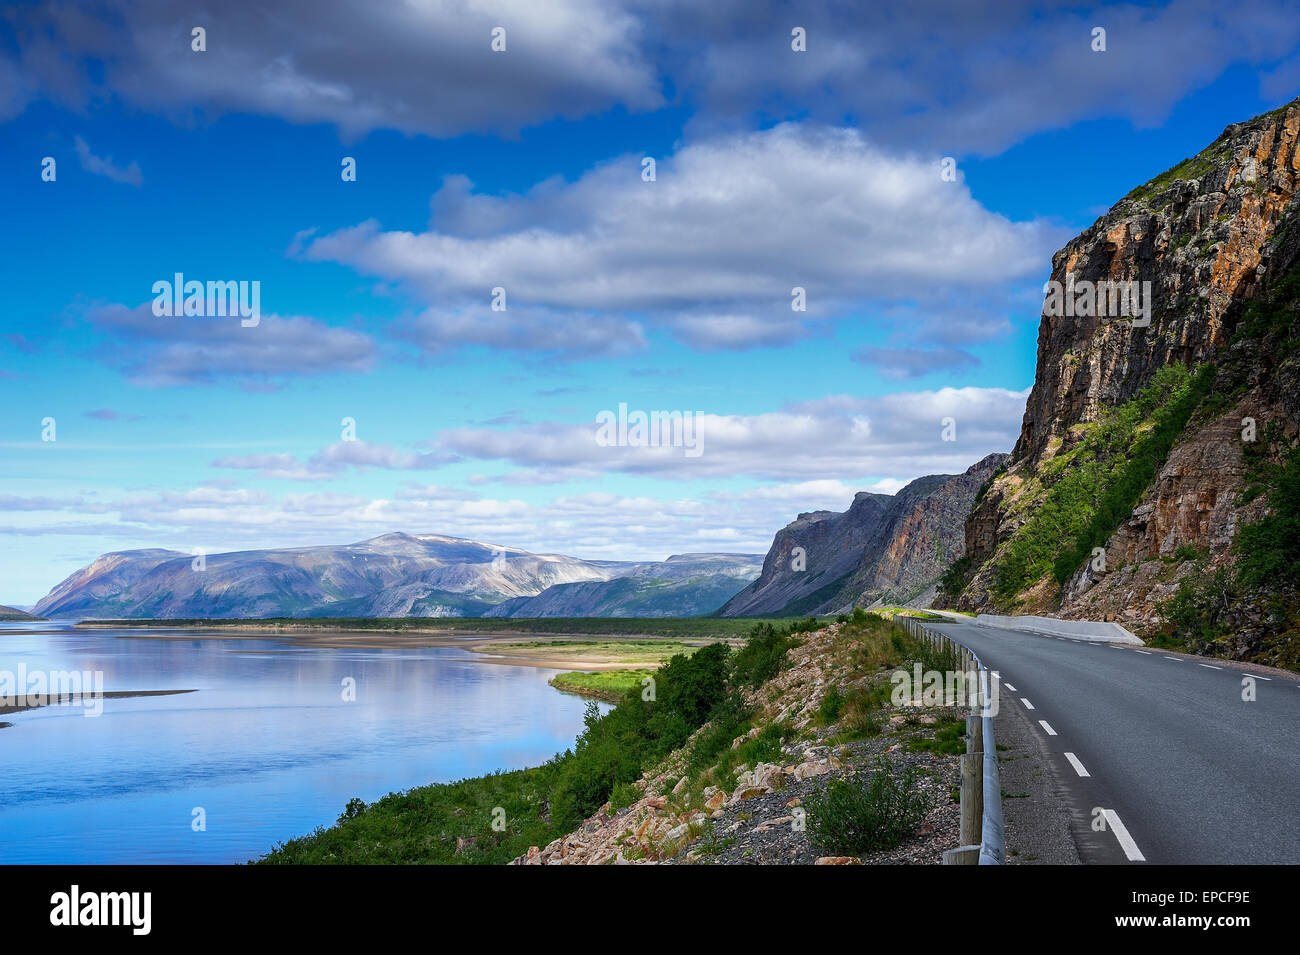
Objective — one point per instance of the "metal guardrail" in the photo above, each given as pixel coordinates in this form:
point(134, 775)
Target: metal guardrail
point(982, 835)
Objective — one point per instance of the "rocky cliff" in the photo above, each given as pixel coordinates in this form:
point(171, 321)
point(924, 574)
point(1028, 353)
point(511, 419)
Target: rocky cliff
point(1134, 467)
point(883, 549)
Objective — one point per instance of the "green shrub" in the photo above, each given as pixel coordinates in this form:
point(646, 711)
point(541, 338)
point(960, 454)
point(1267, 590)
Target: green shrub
point(764, 653)
point(848, 818)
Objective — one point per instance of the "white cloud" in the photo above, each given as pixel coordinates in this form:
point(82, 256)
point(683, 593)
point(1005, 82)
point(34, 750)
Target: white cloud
point(839, 438)
point(424, 67)
point(101, 166)
point(711, 250)
point(160, 351)
point(333, 461)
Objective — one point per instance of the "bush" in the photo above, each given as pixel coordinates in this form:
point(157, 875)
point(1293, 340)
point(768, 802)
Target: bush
point(846, 818)
point(763, 655)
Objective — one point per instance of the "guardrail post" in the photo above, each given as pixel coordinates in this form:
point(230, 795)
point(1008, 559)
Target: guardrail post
point(962, 855)
point(972, 798)
point(974, 734)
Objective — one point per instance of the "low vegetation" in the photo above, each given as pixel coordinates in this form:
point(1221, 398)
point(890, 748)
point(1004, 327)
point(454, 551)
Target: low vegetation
point(700, 710)
point(848, 818)
point(608, 685)
point(1094, 486)
point(1258, 591)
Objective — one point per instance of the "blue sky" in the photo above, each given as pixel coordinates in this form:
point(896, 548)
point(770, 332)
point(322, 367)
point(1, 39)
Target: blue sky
point(522, 169)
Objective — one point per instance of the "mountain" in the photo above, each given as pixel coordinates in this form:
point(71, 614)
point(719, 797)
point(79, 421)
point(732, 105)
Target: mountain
point(685, 585)
point(1154, 479)
point(13, 613)
point(425, 575)
point(884, 548)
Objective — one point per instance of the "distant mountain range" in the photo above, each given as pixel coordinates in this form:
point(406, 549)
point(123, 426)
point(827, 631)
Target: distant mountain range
point(884, 549)
point(396, 575)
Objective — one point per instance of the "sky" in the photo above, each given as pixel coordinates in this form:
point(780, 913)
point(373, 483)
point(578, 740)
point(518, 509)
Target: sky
point(911, 169)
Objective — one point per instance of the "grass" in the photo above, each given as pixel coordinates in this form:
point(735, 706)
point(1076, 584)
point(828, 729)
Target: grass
point(949, 738)
point(608, 685)
point(628, 651)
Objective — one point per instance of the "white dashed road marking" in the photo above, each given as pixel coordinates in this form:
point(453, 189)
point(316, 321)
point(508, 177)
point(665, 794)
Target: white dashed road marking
point(1143, 652)
point(1078, 766)
point(1208, 667)
point(1175, 659)
point(1121, 833)
point(1047, 727)
point(1028, 705)
point(1009, 687)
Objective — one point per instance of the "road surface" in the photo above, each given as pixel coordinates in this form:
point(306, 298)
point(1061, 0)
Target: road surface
point(1182, 767)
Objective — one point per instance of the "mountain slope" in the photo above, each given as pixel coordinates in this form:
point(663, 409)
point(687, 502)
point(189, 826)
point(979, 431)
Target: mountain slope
point(883, 548)
point(13, 613)
point(1132, 476)
point(393, 575)
point(684, 585)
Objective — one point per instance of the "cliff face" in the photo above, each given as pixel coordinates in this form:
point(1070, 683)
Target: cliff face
point(882, 549)
point(1214, 234)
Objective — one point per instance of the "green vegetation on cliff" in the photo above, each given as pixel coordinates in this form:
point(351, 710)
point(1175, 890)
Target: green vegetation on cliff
point(1094, 485)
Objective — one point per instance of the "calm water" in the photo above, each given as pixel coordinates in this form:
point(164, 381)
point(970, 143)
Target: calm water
point(266, 746)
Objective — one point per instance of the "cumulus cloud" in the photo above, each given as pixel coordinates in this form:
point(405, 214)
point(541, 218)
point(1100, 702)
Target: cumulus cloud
point(711, 251)
point(967, 78)
point(160, 351)
point(844, 438)
point(415, 67)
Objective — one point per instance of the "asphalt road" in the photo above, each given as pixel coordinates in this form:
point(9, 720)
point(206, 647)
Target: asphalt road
point(1191, 771)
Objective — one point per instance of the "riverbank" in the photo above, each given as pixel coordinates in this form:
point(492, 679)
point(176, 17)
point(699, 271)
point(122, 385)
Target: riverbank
point(563, 649)
point(724, 763)
point(560, 652)
point(609, 686)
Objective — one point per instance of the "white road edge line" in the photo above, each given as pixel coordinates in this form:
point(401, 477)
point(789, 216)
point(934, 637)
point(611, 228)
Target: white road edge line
point(1046, 726)
point(1078, 766)
point(1208, 667)
point(1121, 834)
point(1143, 652)
point(1175, 659)
point(1028, 705)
